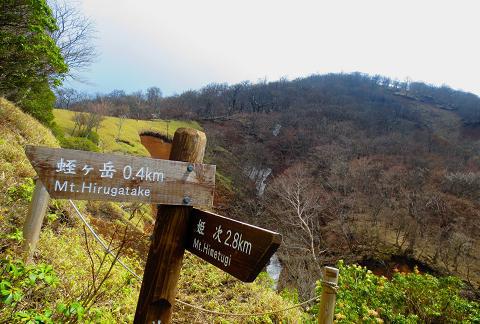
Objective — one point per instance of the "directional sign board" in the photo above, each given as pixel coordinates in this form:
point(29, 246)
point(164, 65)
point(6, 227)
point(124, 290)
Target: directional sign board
point(238, 248)
point(95, 176)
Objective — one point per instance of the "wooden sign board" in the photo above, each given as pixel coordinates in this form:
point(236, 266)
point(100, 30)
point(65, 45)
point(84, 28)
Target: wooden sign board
point(238, 248)
point(95, 176)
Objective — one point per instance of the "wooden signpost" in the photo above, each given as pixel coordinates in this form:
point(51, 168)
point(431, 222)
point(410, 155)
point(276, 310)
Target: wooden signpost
point(238, 248)
point(165, 256)
point(94, 176)
point(176, 184)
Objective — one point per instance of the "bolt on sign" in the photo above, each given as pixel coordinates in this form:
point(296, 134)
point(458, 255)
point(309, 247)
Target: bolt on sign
point(238, 248)
point(85, 175)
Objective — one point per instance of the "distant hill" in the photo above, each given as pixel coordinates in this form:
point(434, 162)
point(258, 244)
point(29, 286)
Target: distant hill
point(354, 89)
point(384, 169)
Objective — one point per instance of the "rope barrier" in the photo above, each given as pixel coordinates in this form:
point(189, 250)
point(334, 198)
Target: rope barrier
point(330, 285)
point(245, 314)
point(99, 240)
point(105, 247)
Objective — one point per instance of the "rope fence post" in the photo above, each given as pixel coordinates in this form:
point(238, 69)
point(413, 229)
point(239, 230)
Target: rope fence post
point(329, 293)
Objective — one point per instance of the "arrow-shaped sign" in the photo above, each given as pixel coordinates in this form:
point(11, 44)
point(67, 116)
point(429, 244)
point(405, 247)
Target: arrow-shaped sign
point(238, 248)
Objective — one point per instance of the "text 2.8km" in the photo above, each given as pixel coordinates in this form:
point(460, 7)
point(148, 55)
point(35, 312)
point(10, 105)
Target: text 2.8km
point(237, 243)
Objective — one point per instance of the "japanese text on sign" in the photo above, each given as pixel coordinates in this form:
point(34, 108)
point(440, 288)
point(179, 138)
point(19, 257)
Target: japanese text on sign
point(108, 170)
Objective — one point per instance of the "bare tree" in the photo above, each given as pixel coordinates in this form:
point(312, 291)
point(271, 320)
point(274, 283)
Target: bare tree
point(86, 123)
point(297, 208)
point(295, 203)
point(66, 97)
point(74, 37)
point(120, 121)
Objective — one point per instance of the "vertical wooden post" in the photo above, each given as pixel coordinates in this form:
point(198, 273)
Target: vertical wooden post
point(34, 220)
point(327, 302)
point(159, 285)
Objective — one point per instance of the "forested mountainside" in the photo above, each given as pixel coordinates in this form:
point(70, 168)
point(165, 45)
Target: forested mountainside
point(353, 170)
point(346, 166)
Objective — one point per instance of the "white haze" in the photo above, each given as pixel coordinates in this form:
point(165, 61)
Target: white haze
point(180, 45)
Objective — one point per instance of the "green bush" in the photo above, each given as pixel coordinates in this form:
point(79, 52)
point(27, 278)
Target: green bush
point(88, 143)
point(406, 298)
point(39, 103)
point(20, 285)
point(30, 60)
point(79, 143)
point(22, 191)
point(57, 131)
point(23, 286)
point(93, 136)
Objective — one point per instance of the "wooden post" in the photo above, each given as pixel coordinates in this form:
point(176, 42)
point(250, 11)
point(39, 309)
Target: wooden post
point(159, 285)
point(327, 302)
point(34, 220)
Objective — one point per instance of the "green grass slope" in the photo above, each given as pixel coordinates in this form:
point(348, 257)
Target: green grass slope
point(130, 130)
point(18, 129)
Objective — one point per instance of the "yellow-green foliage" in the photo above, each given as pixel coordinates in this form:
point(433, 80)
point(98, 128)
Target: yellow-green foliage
point(130, 130)
point(68, 255)
point(407, 298)
point(64, 247)
point(203, 285)
point(18, 129)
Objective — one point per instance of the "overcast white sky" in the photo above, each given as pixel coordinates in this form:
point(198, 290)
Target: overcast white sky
point(179, 45)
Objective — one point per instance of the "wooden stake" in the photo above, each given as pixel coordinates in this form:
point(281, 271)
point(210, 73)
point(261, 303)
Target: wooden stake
point(159, 285)
point(329, 293)
point(34, 220)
